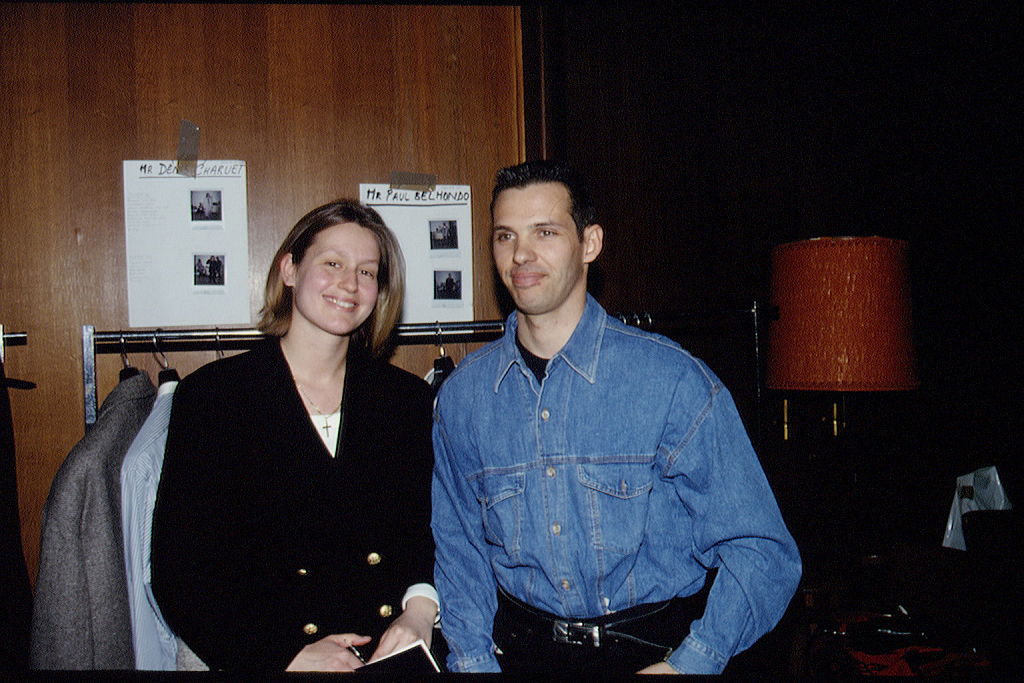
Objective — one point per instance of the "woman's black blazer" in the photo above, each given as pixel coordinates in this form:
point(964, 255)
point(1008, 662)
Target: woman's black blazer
point(264, 543)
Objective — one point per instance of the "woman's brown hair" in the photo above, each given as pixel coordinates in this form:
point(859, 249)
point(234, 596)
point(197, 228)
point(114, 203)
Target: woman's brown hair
point(276, 314)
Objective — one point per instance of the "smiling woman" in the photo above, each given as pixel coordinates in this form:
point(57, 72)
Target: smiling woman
point(334, 287)
point(276, 315)
point(268, 511)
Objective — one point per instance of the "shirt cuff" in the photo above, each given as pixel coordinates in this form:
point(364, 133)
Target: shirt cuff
point(423, 590)
point(694, 657)
point(487, 663)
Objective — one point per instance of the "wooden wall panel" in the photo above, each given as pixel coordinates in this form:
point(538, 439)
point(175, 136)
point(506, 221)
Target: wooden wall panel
point(39, 268)
point(315, 99)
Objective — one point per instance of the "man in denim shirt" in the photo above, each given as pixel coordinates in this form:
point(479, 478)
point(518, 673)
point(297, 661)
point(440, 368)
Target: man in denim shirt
point(591, 478)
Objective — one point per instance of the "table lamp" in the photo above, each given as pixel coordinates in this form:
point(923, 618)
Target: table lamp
point(844, 318)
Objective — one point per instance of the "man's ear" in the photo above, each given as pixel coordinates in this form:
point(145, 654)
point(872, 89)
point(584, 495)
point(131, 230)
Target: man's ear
point(593, 242)
point(287, 268)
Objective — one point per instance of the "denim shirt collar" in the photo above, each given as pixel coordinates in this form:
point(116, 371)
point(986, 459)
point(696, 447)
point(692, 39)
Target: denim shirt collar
point(581, 353)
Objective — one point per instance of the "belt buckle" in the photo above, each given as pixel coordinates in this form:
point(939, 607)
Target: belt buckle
point(576, 633)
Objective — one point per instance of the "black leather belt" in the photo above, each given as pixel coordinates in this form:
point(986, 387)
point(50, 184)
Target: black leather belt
point(592, 632)
point(576, 632)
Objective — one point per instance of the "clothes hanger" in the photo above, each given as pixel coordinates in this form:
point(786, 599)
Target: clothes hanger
point(443, 364)
point(167, 374)
point(127, 369)
point(12, 383)
point(216, 338)
point(5, 381)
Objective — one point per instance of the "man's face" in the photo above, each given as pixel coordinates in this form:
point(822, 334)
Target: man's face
point(537, 251)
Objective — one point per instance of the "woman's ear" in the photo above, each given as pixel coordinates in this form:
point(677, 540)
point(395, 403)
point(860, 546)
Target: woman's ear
point(287, 267)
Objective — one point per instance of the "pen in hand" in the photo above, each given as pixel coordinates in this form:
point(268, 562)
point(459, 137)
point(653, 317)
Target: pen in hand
point(357, 653)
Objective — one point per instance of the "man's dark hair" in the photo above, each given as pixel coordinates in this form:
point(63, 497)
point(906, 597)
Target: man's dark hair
point(581, 206)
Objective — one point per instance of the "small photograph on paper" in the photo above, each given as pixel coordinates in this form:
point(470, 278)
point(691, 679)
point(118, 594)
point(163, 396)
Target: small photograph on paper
point(206, 206)
point(209, 269)
point(444, 234)
point(447, 285)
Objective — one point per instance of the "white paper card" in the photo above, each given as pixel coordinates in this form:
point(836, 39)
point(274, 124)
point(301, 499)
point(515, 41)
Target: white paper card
point(435, 231)
point(186, 243)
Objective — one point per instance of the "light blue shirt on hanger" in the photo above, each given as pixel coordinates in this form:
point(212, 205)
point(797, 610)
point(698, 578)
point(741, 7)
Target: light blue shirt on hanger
point(154, 643)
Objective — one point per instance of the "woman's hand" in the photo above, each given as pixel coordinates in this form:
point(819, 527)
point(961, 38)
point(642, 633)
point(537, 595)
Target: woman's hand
point(329, 654)
point(416, 622)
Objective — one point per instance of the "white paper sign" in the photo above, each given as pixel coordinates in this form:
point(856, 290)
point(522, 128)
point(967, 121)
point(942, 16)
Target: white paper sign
point(186, 243)
point(435, 231)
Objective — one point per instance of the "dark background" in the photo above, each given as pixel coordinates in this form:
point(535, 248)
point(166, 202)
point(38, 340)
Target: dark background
point(712, 135)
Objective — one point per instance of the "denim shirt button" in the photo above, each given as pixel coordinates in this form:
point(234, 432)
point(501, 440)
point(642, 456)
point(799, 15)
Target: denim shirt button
point(556, 528)
point(565, 584)
point(550, 471)
point(545, 414)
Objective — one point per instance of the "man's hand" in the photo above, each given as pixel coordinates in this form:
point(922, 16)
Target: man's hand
point(416, 622)
point(329, 654)
point(659, 668)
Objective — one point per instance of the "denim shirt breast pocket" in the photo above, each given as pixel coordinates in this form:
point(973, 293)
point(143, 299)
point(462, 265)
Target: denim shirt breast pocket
point(617, 497)
point(501, 505)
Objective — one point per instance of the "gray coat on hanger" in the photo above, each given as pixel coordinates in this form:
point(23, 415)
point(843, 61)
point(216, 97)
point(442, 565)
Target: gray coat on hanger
point(80, 616)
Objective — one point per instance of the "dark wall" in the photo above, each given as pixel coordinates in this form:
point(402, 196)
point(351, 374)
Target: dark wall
point(712, 136)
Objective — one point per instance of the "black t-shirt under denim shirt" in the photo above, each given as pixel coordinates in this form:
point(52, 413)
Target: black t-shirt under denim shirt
point(538, 366)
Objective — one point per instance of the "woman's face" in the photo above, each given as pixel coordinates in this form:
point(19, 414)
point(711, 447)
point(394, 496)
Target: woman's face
point(334, 286)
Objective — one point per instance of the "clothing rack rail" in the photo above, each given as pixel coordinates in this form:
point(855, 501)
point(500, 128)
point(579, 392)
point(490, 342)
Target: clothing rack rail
point(217, 338)
point(11, 339)
point(231, 339)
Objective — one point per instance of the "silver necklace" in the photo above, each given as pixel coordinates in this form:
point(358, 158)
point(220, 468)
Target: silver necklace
point(327, 423)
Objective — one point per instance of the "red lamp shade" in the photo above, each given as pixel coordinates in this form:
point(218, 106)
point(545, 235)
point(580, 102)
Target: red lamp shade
point(844, 316)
